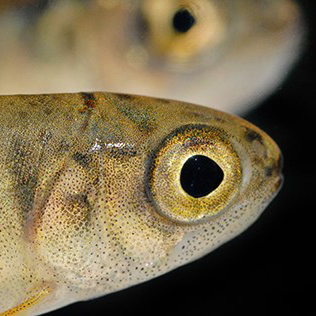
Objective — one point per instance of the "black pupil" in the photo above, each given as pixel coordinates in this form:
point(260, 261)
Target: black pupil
point(183, 21)
point(200, 176)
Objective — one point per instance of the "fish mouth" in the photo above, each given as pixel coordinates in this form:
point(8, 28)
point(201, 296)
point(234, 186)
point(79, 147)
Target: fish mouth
point(280, 178)
point(279, 183)
point(275, 187)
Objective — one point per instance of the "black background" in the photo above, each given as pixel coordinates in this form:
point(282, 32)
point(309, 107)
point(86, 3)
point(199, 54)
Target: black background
point(269, 269)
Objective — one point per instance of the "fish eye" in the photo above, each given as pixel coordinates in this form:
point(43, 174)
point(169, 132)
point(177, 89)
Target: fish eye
point(180, 30)
point(194, 175)
point(200, 175)
point(183, 21)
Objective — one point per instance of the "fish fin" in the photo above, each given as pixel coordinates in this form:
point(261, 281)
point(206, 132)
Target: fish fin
point(34, 298)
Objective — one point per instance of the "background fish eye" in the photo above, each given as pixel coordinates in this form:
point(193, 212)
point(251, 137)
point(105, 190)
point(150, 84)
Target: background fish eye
point(181, 31)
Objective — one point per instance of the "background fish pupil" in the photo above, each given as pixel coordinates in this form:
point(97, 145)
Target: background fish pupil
point(183, 21)
point(200, 176)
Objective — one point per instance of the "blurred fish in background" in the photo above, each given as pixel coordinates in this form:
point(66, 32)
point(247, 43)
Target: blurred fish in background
point(227, 54)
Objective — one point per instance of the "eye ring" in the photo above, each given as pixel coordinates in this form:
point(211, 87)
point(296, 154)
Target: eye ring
point(164, 176)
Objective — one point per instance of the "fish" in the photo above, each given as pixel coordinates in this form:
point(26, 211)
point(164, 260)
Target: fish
point(229, 54)
point(102, 191)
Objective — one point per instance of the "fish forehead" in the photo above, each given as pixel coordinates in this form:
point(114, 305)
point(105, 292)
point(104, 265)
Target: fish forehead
point(103, 111)
point(127, 125)
point(89, 227)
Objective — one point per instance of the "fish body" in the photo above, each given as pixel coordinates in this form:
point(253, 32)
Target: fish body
point(94, 193)
point(230, 53)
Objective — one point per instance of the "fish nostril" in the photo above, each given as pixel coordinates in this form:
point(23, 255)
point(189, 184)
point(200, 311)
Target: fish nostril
point(268, 171)
point(275, 168)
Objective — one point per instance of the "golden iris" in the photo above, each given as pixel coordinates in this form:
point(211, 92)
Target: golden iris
point(166, 190)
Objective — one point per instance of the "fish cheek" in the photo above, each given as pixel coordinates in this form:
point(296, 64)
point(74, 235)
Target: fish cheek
point(130, 220)
point(62, 223)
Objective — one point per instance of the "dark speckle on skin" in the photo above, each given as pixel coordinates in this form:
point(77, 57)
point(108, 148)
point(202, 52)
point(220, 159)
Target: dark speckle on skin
point(257, 160)
point(251, 136)
point(268, 171)
point(82, 159)
point(24, 168)
point(123, 152)
point(218, 119)
point(22, 114)
point(89, 100)
point(166, 101)
point(45, 137)
point(63, 146)
point(142, 119)
point(275, 168)
point(48, 111)
point(126, 96)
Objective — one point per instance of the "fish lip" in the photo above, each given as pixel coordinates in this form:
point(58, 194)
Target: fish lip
point(280, 179)
point(278, 184)
point(280, 164)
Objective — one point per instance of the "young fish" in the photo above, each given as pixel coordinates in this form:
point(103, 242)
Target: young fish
point(102, 191)
point(229, 53)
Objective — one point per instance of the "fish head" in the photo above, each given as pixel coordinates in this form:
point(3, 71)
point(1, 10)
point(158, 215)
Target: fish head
point(196, 177)
point(147, 185)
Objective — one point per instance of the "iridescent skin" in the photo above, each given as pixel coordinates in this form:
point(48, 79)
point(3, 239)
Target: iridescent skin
point(83, 181)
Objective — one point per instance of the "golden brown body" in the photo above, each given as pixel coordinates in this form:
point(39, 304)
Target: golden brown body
point(87, 191)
